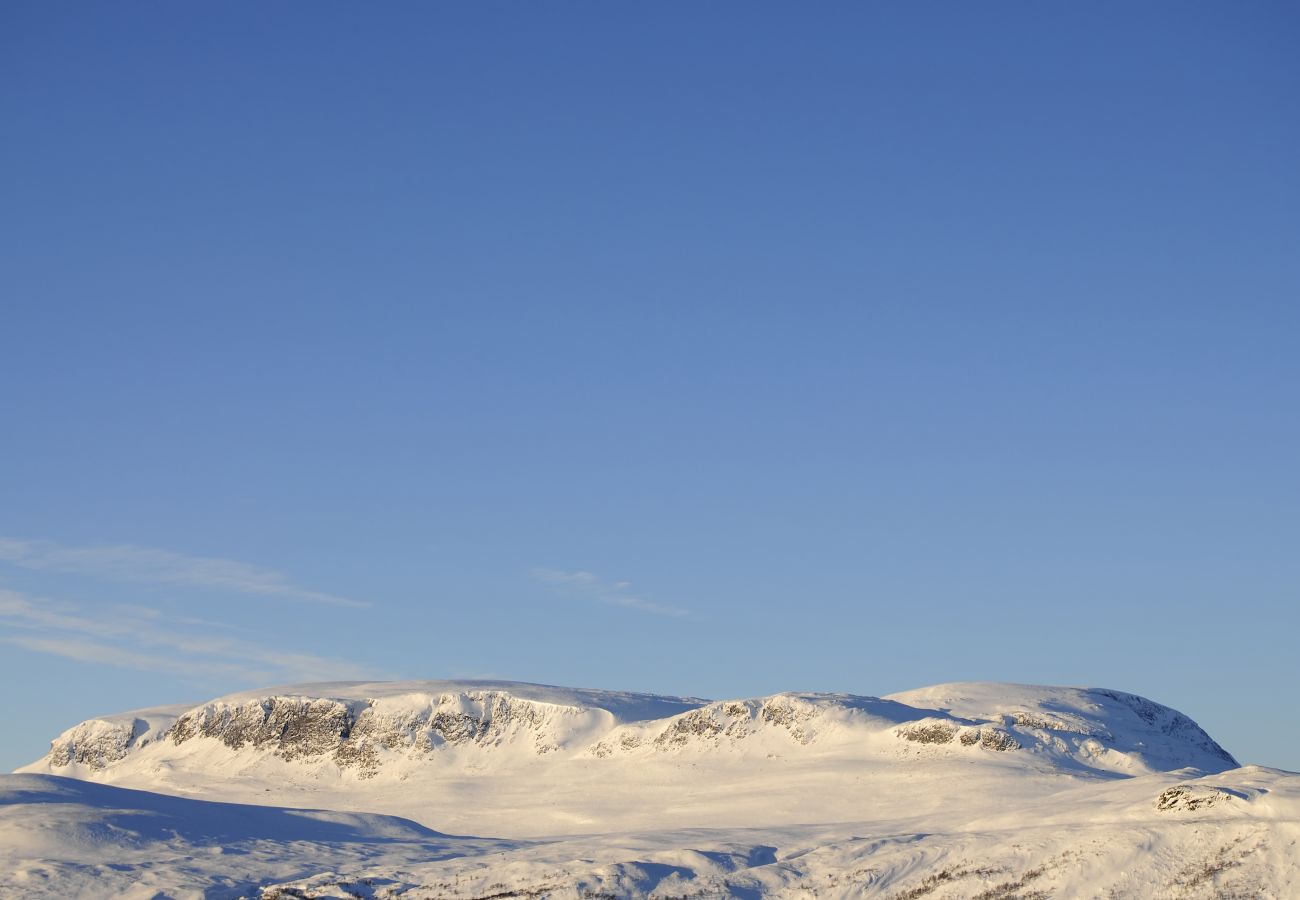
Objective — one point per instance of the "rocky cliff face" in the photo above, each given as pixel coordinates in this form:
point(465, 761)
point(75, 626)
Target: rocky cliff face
point(360, 733)
point(94, 744)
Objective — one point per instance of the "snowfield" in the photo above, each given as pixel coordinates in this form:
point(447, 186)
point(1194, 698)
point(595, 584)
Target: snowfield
point(341, 790)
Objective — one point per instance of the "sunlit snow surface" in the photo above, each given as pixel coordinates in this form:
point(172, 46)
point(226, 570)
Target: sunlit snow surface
point(962, 790)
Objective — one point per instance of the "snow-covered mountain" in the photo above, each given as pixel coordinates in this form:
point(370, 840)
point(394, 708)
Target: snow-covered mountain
point(363, 731)
point(842, 795)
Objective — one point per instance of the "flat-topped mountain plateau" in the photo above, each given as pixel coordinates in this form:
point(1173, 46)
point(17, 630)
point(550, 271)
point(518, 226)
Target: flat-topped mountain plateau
point(957, 790)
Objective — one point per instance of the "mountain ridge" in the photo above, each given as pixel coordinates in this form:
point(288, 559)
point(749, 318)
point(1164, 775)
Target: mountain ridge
point(359, 718)
point(381, 745)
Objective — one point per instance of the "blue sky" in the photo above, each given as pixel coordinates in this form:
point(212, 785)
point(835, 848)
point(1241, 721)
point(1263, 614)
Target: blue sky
point(715, 349)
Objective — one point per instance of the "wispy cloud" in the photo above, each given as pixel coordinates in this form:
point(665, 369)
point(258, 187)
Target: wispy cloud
point(86, 651)
point(147, 639)
point(128, 563)
point(589, 586)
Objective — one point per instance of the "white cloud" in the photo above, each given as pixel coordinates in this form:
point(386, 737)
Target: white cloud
point(125, 562)
point(590, 586)
point(147, 639)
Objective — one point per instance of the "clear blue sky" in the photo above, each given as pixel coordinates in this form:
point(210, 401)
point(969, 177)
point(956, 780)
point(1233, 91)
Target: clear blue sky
point(704, 348)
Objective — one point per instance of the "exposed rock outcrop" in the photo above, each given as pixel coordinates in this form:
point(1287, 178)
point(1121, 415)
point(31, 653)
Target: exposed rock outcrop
point(94, 744)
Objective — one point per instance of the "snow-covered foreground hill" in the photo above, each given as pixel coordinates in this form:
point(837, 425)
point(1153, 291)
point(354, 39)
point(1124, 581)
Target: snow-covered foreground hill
point(61, 837)
point(964, 790)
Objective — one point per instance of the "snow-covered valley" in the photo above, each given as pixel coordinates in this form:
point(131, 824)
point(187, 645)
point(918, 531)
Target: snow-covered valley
point(959, 790)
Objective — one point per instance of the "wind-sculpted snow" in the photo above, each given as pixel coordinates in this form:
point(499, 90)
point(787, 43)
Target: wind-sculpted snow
point(1164, 835)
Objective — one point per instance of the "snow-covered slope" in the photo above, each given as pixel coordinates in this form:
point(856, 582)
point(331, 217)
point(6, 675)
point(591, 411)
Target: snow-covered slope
point(958, 790)
point(1163, 835)
point(62, 837)
point(1125, 843)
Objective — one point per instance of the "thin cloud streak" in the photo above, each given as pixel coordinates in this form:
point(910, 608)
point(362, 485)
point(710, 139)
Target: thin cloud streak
point(129, 563)
point(86, 651)
point(590, 586)
point(146, 639)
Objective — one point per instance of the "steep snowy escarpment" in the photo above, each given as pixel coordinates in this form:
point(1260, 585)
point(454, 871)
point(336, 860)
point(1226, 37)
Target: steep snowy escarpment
point(357, 724)
point(368, 728)
point(1095, 727)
